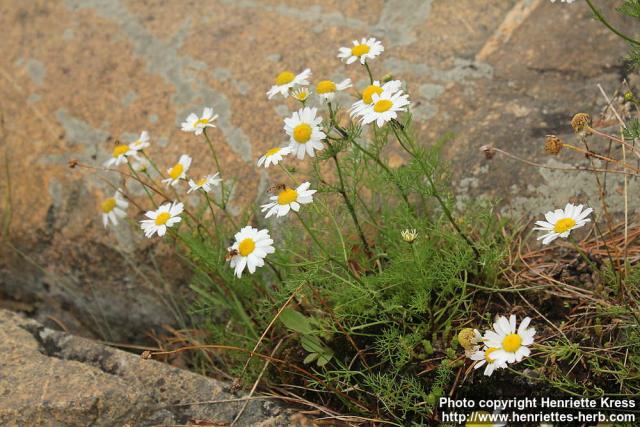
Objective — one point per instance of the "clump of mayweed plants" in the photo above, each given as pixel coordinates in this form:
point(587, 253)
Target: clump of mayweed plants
point(352, 283)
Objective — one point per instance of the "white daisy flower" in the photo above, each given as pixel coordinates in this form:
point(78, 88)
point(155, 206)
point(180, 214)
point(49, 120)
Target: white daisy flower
point(250, 249)
point(113, 208)
point(162, 218)
point(367, 95)
point(196, 124)
point(326, 89)
point(274, 156)
point(289, 199)
point(301, 94)
point(142, 142)
point(485, 357)
point(361, 50)
point(120, 155)
point(385, 107)
point(511, 344)
point(560, 223)
point(304, 132)
point(178, 171)
point(206, 183)
point(287, 80)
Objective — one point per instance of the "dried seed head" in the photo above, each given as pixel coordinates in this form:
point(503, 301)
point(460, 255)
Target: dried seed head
point(488, 151)
point(552, 144)
point(146, 355)
point(581, 123)
point(467, 338)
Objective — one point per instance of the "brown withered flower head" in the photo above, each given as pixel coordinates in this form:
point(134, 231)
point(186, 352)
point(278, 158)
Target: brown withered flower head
point(553, 144)
point(581, 123)
point(488, 151)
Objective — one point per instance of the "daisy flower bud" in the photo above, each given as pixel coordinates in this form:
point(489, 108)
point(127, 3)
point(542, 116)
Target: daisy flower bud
point(469, 338)
point(409, 236)
point(552, 144)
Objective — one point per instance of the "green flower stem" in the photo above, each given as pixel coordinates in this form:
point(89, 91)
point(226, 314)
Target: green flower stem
point(324, 251)
point(342, 190)
point(286, 171)
point(213, 215)
point(153, 165)
point(602, 19)
point(436, 194)
point(582, 253)
point(144, 186)
point(366, 66)
point(215, 159)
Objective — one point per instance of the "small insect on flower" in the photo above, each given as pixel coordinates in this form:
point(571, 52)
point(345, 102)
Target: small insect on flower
point(552, 144)
point(326, 89)
point(362, 50)
point(510, 343)
point(274, 156)
point(287, 80)
point(120, 154)
point(178, 171)
point(205, 183)
point(301, 94)
point(249, 250)
point(162, 218)
point(360, 106)
point(113, 208)
point(142, 142)
point(304, 131)
point(289, 199)
point(409, 236)
point(385, 107)
point(196, 124)
point(560, 223)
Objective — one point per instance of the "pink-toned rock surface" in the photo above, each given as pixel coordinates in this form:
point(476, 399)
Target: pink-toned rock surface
point(75, 75)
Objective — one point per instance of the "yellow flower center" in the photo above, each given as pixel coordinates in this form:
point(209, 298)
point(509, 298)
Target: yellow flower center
point(287, 196)
point(201, 181)
point(478, 419)
point(162, 218)
point(487, 354)
point(564, 224)
point(360, 49)
point(201, 122)
point(326, 86)
point(367, 94)
point(382, 106)
point(246, 247)
point(284, 78)
point(108, 205)
point(176, 171)
point(120, 150)
point(272, 152)
point(302, 133)
point(511, 343)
